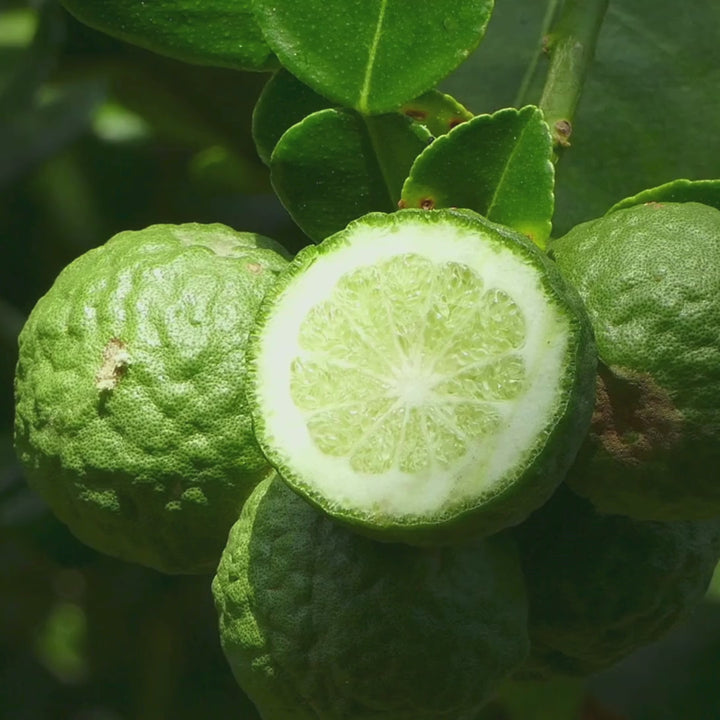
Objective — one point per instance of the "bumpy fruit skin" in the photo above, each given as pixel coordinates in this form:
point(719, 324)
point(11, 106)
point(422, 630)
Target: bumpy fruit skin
point(650, 279)
point(131, 417)
point(601, 586)
point(318, 622)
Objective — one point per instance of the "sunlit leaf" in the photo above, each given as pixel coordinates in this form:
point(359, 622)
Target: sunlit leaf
point(283, 102)
point(213, 32)
point(498, 165)
point(336, 165)
point(372, 55)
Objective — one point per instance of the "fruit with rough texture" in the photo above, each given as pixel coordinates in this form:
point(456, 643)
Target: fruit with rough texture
point(317, 621)
point(423, 376)
point(600, 586)
point(649, 276)
point(131, 418)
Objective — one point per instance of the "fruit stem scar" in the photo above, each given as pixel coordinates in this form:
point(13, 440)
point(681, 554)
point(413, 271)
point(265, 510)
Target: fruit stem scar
point(115, 360)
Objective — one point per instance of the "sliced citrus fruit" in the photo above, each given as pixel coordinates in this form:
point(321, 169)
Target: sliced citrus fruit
point(422, 375)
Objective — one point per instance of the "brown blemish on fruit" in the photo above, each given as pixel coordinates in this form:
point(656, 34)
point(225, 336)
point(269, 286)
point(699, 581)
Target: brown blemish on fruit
point(455, 122)
point(255, 268)
point(634, 418)
point(401, 204)
point(427, 203)
point(115, 360)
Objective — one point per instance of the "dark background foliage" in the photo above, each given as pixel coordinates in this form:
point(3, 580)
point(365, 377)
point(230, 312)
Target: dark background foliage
point(96, 137)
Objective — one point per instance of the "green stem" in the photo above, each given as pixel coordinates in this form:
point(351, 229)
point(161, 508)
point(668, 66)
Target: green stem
point(548, 19)
point(571, 46)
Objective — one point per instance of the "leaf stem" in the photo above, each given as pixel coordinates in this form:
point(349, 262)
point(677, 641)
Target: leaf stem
point(548, 19)
point(571, 47)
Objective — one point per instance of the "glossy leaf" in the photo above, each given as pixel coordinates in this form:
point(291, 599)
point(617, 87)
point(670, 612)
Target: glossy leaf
point(706, 192)
point(498, 165)
point(439, 112)
point(336, 165)
point(372, 55)
point(649, 111)
point(213, 32)
point(283, 102)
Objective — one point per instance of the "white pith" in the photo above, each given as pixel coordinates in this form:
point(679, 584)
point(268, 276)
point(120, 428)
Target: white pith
point(395, 492)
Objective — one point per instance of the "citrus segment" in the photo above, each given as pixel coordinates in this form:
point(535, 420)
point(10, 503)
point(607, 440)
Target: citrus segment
point(419, 367)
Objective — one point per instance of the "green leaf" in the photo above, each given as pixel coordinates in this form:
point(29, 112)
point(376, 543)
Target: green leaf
point(498, 165)
point(213, 32)
point(372, 55)
point(650, 111)
point(439, 112)
point(336, 165)
point(706, 192)
point(283, 102)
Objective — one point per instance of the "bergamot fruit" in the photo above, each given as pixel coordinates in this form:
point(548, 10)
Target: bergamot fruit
point(319, 622)
point(650, 279)
point(422, 376)
point(600, 586)
point(131, 417)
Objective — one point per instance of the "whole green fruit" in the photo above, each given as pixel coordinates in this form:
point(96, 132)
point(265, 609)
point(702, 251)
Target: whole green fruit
point(601, 586)
point(649, 276)
point(131, 419)
point(317, 621)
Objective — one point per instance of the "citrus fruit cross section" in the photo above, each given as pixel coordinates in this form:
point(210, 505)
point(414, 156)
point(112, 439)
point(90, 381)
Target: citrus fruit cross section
point(419, 368)
point(422, 393)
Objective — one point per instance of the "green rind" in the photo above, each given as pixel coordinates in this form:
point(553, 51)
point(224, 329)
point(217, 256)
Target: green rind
point(150, 459)
point(516, 496)
point(318, 622)
point(221, 33)
point(649, 276)
point(601, 586)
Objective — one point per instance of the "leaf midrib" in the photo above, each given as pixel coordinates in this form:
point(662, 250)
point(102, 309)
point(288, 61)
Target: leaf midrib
point(365, 90)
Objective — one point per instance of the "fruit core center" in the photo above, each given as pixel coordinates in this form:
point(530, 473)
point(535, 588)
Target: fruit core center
point(407, 364)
